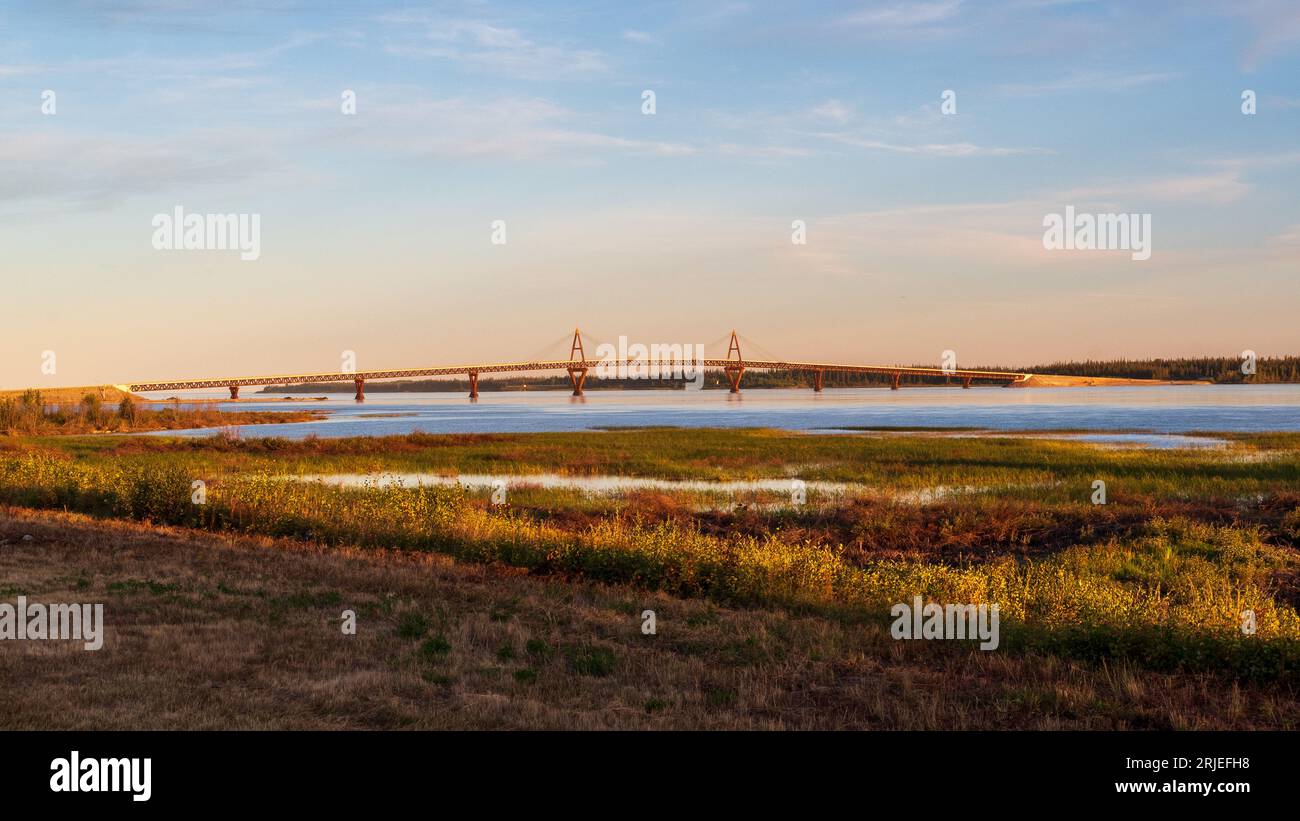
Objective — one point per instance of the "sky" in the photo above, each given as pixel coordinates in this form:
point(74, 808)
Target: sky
point(923, 222)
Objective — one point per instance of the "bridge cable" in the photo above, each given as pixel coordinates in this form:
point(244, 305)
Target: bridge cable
point(763, 353)
point(554, 351)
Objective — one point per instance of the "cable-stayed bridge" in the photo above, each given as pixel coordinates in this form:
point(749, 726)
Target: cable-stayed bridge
point(578, 365)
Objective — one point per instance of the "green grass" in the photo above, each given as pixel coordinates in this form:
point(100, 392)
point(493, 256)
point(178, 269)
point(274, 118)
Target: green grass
point(538, 650)
point(435, 647)
point(1017, 464)
point(412, 625)
point(597, 662)
point(139, 586)
point(526, 676)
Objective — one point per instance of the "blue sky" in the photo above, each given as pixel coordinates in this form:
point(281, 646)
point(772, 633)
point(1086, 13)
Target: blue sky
point(924, 228)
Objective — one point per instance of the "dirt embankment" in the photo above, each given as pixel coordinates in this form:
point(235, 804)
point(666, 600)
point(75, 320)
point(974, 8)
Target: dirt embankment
point(1051, 380)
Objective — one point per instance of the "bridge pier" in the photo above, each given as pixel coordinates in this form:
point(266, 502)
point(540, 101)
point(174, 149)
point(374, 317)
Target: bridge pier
point(733, 376)
point(361, 389)
point(578, 376)
point(818, 377)
point(896, 378)
point(965, 382)
point(473, 384)
point(234, 391)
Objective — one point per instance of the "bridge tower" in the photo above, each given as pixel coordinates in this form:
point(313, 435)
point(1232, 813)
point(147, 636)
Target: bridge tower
point(577, 375)
point(734, 372)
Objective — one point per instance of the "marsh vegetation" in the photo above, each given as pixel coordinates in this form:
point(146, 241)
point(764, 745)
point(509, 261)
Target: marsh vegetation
point(1158, 577)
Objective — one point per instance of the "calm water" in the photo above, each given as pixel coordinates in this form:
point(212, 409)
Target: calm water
point(609, 485)
point(1165, 409)
point(555, 481)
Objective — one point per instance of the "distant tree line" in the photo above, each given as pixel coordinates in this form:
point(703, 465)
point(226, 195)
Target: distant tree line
point(1219, 369)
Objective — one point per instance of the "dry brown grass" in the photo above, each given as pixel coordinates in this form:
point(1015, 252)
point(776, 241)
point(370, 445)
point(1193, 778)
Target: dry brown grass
point(209, 632)
point(73, 396)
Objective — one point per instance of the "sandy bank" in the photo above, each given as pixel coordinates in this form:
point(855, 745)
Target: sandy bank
point(1049, 380)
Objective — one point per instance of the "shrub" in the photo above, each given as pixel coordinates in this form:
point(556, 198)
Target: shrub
point(412, 625)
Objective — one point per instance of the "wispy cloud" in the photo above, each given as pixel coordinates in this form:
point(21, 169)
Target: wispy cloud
point(762, 152)
point(1088, 81)
point(13, 70)
point(1290, 236)
point(890, 19)
point(154, 66)
point(643, 37)
point(927, 149)
point(1215, 189)
point(486, 46)
point(40, 169)
point(904, 15)
point(833, 111)
point(501, 128)
point(1275, 26)
point(1248, 162)
point(1045, 4)
point(833, 124)
point(720, 12)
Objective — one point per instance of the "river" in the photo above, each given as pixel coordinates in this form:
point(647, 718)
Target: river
point(1160, 409)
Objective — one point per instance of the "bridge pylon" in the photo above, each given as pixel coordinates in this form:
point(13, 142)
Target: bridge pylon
point(734, 372)
point(577, 375)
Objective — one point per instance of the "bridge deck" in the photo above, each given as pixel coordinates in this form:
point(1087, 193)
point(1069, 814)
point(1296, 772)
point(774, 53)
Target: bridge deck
point(564, 365)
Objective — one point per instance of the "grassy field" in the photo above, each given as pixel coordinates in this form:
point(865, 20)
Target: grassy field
point(1145, 593)
point(210, 631)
